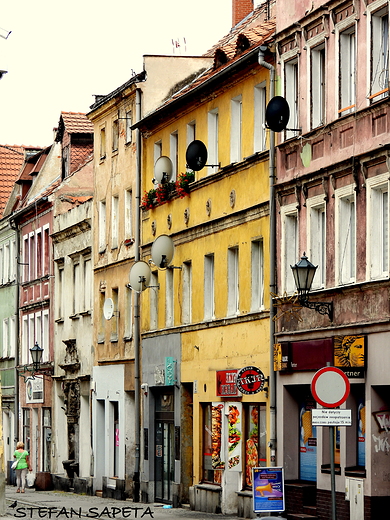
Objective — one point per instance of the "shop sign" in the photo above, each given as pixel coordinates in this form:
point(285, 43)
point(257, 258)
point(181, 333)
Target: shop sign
point(350, 355)
point(268, 490)
point(170, 371)
point(34, 390)
point(226, 383)
point(250, 380)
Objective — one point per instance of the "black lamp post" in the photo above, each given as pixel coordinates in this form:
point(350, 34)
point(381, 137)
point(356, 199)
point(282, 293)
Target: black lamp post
point(36, 354)
point(303, 273)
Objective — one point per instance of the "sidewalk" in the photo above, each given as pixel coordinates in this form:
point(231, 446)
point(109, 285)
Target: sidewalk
point(69, 506)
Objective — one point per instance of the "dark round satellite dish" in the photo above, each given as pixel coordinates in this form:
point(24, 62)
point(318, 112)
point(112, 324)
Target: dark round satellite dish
point(196, 155)
point(277, 114)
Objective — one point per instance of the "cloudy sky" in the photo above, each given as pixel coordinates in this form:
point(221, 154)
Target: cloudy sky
point(60, 54)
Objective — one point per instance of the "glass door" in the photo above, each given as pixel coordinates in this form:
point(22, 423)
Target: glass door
point(164, 446)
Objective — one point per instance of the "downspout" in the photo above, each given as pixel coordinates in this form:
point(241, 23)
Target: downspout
point(17, 275)
point(137, 388)
point(272, 254)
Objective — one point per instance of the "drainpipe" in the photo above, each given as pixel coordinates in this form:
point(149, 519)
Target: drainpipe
point(272, 254)
point(137, 389)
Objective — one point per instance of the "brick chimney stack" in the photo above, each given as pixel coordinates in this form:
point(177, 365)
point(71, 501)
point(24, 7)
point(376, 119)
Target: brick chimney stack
point(241, 9)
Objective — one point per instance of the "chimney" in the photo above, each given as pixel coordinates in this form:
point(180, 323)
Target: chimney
point(241, 9)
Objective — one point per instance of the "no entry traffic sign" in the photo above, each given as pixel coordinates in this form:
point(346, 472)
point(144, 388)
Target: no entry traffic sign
point(330, 387)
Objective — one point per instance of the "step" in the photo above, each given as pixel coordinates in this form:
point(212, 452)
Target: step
point(310, 510)
point(301, 516)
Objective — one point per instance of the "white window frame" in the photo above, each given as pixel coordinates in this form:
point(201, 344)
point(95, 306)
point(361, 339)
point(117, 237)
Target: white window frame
point(128, 213)
point(129, 314)
point(114, 221)
point(25, 340)
point(233, 281)
point(291, 90)
point(169, 300)
point(191, 132)
point(153, 301)
point(187, 293)
point(87, 281)
point(260, 104)
point(129, 133)
point(174, 153)
point(377, 240)
point(345, 219)
point(213, 136)
point(6, 262)
point(236, 129)
point(316, 238)
point(208, 287)
point(45, 335)
point(378, 59)
point(102, 226)
point(347, 46)
point(290, 246)
point(317, 84)
point(257, 275)
point(5, 344)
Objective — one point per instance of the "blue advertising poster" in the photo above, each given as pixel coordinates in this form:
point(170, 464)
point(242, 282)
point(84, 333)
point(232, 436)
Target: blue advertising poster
point(268, 490)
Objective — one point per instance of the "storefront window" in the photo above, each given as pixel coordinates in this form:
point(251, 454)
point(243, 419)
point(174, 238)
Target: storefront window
point(308, 442)
point(255, 439)
point(213, 459)
point(361, 433)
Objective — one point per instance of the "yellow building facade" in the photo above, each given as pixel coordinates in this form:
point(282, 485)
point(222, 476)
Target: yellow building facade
point(205, 316)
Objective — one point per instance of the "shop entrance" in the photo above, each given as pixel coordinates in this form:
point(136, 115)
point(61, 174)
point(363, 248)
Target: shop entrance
point(164, 446)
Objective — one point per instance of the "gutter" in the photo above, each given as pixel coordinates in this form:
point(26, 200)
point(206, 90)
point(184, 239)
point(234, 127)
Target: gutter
point(272, 256)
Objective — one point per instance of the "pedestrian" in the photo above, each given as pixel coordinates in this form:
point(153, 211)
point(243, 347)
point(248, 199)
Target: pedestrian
point(22, 456)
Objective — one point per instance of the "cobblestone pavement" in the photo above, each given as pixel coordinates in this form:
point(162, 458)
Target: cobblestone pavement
point(69, 506)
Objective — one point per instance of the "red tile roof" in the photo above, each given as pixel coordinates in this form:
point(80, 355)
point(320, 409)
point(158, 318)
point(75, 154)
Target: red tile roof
point(11, 160)
point(76, 123)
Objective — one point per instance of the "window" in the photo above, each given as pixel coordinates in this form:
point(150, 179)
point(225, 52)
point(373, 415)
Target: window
point(317, 87)
point(157, 151)
point(102, 321)
point(212, 125)
point(26, 429)
point(59, 287)
point(115, 135)
point(115, 319)
point(346, 235)
point(102, 143)
point(317, 238)
point(259, 118)
point(46, 428)
point(187, 293)
point(209, 303)
point(46, 250)
point(174, 153)
point(76, 286)
point(290, 253)
point(26, 255)
point(129, 314)
point(169, 298)
point(128, 127)
point(291, 94)
point(257, 275)
point(87, 282)
point(236, 130)
point(378, 227)
point(153, 295)
point(347, 71)
point(9, 337)
point(102, 226)
point(233, 280)
point(255, 436)
point(39, 253)
point(128, 214)
point(191, 132)
point(114, 222)
point(212, 422)
point(379, 73)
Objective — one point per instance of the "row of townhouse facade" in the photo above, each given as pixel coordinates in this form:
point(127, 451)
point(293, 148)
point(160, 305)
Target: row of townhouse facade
point(136, 395)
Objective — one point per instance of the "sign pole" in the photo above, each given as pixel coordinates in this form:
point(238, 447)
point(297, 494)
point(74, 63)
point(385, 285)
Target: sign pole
point(332, 471)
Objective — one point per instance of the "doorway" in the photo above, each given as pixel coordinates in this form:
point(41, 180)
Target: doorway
point(164, 446)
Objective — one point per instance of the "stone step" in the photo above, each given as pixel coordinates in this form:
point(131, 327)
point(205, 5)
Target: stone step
point(310, 510)
point(302, 516)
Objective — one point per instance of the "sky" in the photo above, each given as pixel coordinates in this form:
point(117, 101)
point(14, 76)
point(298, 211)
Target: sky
point(59, 54)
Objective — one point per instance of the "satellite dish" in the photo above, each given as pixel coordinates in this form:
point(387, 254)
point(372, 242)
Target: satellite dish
point(277, 114)
point(108, 309)
point(140, 274)
point(162, 252)
point(196, 155)
point(163, 169)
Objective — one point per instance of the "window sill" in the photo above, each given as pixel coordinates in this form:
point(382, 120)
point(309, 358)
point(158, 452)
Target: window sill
point(59, 320)
point(114, 338)
point(325, 468)
point(209, 487)
point(355, 471)
point(85, 313)
point(74, 316)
